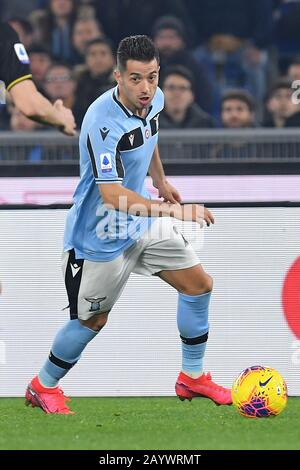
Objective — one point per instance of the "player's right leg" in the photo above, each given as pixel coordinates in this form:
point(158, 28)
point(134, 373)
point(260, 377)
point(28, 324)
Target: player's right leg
point(92, 288)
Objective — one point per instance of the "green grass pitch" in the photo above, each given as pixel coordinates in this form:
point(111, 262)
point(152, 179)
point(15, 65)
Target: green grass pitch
point(145, 423)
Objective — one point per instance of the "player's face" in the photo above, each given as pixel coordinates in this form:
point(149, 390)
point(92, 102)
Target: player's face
point(236, 114)
point(137, 84)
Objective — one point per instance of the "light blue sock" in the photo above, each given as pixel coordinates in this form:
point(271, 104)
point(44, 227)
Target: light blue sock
point(192, 322)
point(67, 347)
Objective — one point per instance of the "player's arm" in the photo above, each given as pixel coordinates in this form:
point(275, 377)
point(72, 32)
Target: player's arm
point(35, 106)
point(165, 189)
point(16, 74)
point(107, 167)
point(118, 197)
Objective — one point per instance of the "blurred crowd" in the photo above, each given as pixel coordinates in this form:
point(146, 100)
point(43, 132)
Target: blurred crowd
point(224, 63)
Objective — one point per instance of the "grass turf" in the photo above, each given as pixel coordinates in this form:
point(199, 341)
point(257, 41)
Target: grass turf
point(147, 424)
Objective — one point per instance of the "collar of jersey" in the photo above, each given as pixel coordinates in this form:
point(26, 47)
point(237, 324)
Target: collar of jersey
point(126, 110)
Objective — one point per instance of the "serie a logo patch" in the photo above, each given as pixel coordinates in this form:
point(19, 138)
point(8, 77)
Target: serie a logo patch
point(21, 53)
point(106, 162)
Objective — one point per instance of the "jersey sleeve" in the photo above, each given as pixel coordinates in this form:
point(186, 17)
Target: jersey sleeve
point(14, 62)
point(102, 145)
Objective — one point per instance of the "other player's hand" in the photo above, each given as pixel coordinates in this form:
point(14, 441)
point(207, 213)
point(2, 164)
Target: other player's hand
point(195, 213)
point(66, 117)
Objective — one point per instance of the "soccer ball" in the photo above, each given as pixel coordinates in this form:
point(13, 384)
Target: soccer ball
point(259, 392)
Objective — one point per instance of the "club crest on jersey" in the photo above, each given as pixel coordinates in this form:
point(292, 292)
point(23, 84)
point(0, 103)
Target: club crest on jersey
point(95, 303)
point(21, 53)
point(106, 162)
point(147, 133)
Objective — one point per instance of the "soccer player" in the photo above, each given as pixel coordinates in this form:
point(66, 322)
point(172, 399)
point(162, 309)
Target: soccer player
point(114, 228)
point(15, 73)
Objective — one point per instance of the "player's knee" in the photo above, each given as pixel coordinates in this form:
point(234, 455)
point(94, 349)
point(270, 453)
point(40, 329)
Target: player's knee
point(208, 283)
point(96, 322)
point(201, 285)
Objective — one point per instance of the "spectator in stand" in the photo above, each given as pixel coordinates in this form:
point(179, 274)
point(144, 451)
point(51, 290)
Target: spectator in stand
point(237, 112)
point(97, 78)
point(169, 37)
point(286, 31)
point(123, 18)
point(294, 75)
point(24, 30)
point(294, 69)
point(54, 28)
point(40, 61)
point(181, 111)
point(233, 38)
point(84, 31)
point(20, 123)
point(59, 84)
point(13, 8)
point(294, 119)
point(279, 104)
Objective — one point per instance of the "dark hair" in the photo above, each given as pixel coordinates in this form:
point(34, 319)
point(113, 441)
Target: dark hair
point(182, 72)
point(169, 22)
point(294, 61)
point(39, 48)
point(139, 48)
point(282, 83)
point(100, 40)
point(240, 95)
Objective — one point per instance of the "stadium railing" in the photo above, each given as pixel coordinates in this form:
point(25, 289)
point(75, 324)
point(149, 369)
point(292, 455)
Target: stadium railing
point(182, 151)
point(186, 146)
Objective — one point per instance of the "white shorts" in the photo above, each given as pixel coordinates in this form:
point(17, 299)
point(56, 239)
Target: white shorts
point(93, 287)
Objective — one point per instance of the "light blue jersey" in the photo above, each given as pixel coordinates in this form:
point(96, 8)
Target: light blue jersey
point(116, 146)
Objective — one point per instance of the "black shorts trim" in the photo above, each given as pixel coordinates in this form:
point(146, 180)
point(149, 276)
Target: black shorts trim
point(72, 282)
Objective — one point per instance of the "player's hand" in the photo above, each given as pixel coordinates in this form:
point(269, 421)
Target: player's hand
point(195, 213)
point(168, 192)
point(66, 117)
